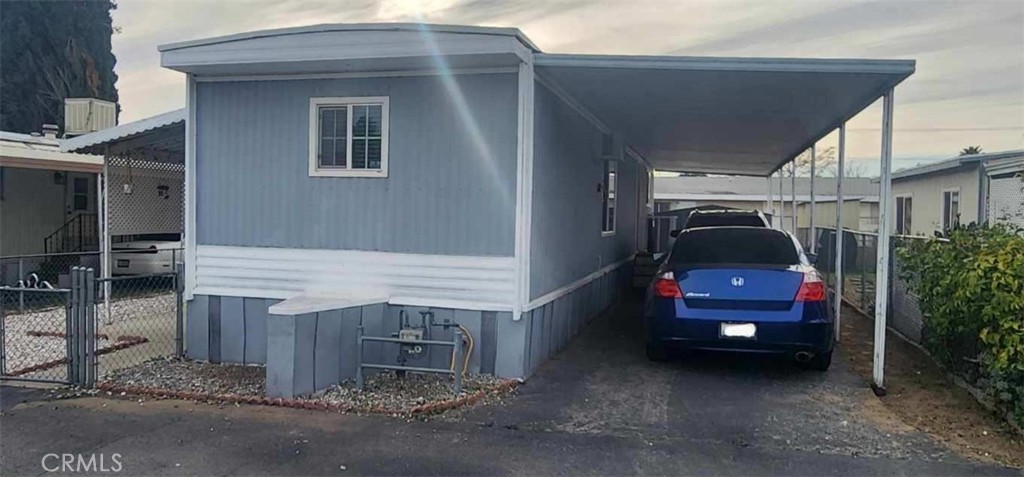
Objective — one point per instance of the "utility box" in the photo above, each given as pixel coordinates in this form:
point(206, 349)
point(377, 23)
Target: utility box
point(86, 115)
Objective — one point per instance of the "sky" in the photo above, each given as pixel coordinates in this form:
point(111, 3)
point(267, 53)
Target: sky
point(968, 89)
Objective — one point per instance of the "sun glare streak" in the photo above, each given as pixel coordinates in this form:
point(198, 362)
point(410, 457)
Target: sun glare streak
point(458, 99)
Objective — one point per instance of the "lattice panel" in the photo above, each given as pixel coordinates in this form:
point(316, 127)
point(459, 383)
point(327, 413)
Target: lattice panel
point(1006, 200)
point(146, 197)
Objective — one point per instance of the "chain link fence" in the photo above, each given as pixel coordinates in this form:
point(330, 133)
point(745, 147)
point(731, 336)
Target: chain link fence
point(142, 317)
point(859, 267)
point(50, 270)
point(33, 334)
point(95, 327)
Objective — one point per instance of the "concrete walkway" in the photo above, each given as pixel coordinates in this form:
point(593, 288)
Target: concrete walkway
point(599, 408)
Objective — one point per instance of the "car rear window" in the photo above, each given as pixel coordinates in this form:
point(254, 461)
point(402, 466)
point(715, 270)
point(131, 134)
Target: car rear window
point(729, 245)
point(719, 220)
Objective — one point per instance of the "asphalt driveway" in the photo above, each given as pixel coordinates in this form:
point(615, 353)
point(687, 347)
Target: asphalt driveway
point(598, 408)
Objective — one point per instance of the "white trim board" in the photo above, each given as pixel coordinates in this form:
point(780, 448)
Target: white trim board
point(467, 282)
point(349, 103)
point(190, 186)
point(524, 187)
point(576, 285)
point(357, 74)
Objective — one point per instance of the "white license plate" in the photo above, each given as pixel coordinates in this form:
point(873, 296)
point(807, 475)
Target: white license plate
point(738, 330)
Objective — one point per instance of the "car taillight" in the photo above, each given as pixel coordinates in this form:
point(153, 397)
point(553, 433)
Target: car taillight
point(665, 286)
point(812, 288)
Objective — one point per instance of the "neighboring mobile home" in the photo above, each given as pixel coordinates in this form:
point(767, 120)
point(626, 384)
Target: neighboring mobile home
point(48, 204)
point(962, 190)
point(683, 192)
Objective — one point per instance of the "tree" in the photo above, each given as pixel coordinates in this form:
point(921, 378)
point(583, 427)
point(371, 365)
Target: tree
point(850, 169)
point(50, 51)
point(970, 150)
point(824, 160)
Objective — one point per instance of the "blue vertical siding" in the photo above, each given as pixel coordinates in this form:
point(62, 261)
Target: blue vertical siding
point(451, 179)
point(566, 242)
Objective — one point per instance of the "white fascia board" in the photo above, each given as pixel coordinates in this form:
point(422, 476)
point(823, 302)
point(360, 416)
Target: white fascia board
point(329, 27)
point(44, 156)
point(357, 74)
point(782, 65)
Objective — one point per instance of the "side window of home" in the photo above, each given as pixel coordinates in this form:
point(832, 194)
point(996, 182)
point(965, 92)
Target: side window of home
point(349, 137)
point(608, 224)
point(904, 208)
point(950, 209)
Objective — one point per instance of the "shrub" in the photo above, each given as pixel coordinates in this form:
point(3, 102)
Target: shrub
point(971, 290)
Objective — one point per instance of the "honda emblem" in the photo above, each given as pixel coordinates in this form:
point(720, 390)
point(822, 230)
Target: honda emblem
point(737, 281)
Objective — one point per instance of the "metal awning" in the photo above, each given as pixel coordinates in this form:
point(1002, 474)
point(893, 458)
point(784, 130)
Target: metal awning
point(158, 138)
point(743, 116)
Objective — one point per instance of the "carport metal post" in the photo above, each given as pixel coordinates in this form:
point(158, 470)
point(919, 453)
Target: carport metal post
point(839, 229)
point(104, 217)
point(884, 231)
point(768, 205)
point(810, 235)
point(782, 201)
point(792, 193)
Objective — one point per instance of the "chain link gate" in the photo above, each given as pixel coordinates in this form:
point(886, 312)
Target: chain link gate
point(78, 336)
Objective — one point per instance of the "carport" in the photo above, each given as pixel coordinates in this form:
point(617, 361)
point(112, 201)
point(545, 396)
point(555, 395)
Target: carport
point(740, 116)
point(142, 191)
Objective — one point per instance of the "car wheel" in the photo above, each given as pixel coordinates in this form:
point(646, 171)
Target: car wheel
point(657, 353)
point(820, 361)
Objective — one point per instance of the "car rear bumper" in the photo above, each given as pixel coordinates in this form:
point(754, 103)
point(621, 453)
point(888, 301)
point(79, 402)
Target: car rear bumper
point(771, 337)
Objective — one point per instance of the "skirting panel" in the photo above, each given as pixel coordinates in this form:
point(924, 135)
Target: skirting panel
point(312, 351)
point(550, 327)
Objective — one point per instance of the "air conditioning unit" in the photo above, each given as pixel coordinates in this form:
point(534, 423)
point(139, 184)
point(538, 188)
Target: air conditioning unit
point(86, 115)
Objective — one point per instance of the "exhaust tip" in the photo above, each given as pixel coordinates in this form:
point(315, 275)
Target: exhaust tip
point(803, 356)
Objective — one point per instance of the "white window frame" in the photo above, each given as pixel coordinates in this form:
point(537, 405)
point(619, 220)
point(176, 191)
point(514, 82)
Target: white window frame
point(348, 102)
point(896, 202)
point(945, 212)
point(608, 201)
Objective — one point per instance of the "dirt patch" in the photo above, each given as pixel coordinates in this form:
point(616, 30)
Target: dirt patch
point(920, 395)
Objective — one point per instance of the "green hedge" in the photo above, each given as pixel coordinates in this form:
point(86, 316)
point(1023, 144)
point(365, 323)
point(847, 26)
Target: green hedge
point(971, 291)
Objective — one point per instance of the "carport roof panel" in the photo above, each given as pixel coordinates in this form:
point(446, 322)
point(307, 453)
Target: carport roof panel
point(745, 116)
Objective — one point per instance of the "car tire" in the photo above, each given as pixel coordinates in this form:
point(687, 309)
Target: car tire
point(657, 353)
point(820, 361)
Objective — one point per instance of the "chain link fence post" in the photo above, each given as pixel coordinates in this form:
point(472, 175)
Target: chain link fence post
point(72, 331)
point(89, 314)
point(21, 276)
point(179, 305)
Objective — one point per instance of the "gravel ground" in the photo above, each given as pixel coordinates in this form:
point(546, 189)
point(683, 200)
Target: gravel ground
point(179, 375)
point(385, 390)
point(382, 391)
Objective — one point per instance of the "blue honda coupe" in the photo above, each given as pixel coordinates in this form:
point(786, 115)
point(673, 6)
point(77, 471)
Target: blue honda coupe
point(747, 289)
